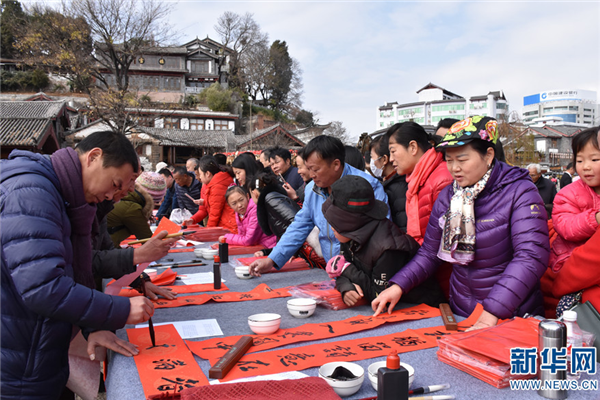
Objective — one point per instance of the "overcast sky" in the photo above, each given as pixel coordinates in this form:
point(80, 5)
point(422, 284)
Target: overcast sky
point(356, 56)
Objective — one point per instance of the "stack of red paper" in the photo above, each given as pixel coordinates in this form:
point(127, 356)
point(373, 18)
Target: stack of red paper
point(324, 293)
point(207, 234)
point(485, 353)
point(237, 250)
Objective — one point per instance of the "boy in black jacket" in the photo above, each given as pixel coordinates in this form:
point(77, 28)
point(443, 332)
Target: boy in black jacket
point(372, 247)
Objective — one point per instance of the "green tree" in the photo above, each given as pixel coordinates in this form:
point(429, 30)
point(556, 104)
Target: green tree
point(280, 74)
point(12, 20)
point(217, 98)
point(305, 118)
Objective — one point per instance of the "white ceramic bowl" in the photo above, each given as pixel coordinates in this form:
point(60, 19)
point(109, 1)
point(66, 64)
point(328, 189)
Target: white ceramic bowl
point(153, 228)
point(343, 388)
point(199, 252)
point(373, 368)
point(264, 324)
point(301, 307)
point(209, 254)
point(243, 272)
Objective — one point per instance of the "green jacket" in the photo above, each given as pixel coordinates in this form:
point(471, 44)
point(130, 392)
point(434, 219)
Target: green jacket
point(130, 216)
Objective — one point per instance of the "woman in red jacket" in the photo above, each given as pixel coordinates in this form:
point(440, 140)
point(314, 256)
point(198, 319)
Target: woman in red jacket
point(425, 170)
point(426, 174)
point(214, 185)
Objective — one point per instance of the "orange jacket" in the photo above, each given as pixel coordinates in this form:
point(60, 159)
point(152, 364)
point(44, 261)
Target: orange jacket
point(215, 206)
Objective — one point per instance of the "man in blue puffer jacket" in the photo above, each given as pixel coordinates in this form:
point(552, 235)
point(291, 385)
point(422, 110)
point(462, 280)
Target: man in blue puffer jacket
point(47, 206)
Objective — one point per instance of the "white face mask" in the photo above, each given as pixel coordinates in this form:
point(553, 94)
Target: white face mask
point(377, 172)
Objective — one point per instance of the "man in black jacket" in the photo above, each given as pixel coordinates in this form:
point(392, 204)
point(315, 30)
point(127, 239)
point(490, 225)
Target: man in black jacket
point(545, 186)
point(567, 176)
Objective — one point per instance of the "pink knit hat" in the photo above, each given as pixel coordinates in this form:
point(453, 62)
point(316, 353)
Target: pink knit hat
point(154, 183)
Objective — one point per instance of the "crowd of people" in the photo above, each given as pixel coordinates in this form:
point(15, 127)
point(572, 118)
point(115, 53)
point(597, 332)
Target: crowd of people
point(420, 219)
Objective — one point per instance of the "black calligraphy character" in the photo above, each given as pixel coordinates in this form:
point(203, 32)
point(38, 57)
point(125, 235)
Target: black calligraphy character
point(408, 341)
point(291, 359)
point(373, 346)
point(330, 328)
point(246, 296)
point(217, 297)
point(220, 346)
point(190, 300)
point(247, 365)
point(162, 303)
point(294, 334)
point(438, 334)
point(168, 364)
point(259, 341)
point(178, 384)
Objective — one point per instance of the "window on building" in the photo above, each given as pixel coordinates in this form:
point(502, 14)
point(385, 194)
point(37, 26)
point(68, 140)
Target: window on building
point(196, 124)
point(171, 123)
point(221, 125)
point(587, 109)
point(587, 116)
point(530, 113)
point(573, 108)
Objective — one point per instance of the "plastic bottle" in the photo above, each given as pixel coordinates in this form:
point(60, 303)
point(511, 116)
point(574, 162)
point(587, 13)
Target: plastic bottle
point(392, 381)
point(217, 272)
point(224, 251)
point(574, 339)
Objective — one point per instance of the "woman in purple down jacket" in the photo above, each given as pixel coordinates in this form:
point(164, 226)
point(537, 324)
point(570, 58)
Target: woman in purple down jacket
point(491, 224)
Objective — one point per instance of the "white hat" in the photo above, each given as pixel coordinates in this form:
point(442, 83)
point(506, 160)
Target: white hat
point(161, 165)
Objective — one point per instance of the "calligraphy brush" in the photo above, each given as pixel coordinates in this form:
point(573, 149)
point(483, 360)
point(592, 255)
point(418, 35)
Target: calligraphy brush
point(423, 390)
point(150, 324)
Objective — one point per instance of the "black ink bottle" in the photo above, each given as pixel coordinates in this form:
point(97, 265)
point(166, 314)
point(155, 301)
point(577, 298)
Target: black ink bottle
point(224, 251)
point(392, 381)
point(217, 272)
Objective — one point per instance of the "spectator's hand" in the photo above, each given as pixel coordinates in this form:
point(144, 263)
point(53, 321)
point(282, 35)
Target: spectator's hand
point(485, 320)
point(153, 291)
point(390, 295)
point(259, 254)
point(141, 310)
point(199, 202)
point(188, 222)
point(261, 266)
point(110, 341)
point(598, 217)
point(352, 296)
point(154, 249)
point(221, 239)
point(290, 191)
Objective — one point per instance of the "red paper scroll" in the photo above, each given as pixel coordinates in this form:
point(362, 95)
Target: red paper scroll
point(299, 358)
point(179, 289)
point(207, 234)
point(260, 292)
point(237, 250)
point(295, 264)
point(213, 349)
point(168, 367)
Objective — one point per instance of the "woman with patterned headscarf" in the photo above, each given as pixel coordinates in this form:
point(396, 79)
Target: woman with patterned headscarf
point(491, 225)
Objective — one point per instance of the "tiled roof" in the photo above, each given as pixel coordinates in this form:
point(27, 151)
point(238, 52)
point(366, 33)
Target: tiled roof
point(223, 139)
point(243, 139)
point(24, 123)
point(556, 131)
point(22, 132)
point(30, 109)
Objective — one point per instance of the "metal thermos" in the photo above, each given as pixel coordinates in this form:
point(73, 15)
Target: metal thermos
point(552, 333)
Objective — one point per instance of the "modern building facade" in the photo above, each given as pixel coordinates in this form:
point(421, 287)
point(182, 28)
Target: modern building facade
point(569, 106)
point(436, 103)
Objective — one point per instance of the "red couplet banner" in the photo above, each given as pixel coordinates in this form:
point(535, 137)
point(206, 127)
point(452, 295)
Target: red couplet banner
point(299, 358)
point(215, 348)
point(260, 292)
point(167, 367)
